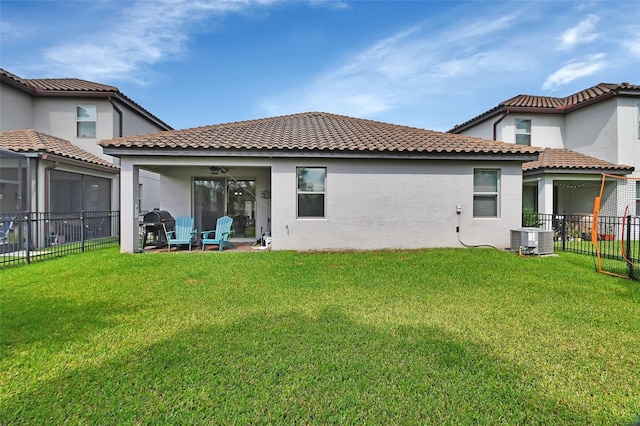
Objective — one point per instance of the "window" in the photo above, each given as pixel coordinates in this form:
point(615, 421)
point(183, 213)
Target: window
point(311, 191)
point(86, 121)
point(523, 131)
point(486, 185)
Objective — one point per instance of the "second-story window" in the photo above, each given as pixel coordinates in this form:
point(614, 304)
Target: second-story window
point(86, 121)
point(523, 131)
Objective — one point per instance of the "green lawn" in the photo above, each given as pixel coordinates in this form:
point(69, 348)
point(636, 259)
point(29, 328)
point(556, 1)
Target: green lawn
point(446, 336)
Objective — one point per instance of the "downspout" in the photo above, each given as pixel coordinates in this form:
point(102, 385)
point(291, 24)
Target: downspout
point(120, 119)
point(495, 124)
point(47, 185)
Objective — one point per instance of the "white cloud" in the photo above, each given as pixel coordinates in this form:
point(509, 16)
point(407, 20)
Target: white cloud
point(632, 43)
point(582, 33)
point(575, 69)
point(330, 4)
point(404, 68)
point(144, 34)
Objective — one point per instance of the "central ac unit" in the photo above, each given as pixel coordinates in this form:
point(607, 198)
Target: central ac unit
point(532, 240)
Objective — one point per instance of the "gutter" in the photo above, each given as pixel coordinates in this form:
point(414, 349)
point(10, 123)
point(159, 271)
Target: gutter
point(57, 159)
point(524, 156)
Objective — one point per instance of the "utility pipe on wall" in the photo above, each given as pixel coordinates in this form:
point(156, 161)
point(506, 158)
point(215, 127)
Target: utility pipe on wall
point(495, 124)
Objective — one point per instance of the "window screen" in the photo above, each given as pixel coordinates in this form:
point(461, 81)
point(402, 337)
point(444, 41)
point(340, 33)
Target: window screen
point(311, 191)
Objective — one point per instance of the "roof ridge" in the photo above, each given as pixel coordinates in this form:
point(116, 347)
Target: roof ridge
point(37, 139)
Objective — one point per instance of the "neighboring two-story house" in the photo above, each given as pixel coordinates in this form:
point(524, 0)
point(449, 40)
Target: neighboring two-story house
point(55, 124)
point(594, 131)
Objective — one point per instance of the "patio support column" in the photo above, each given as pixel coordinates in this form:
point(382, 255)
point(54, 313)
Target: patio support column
point(129, 188)
point(545, 195)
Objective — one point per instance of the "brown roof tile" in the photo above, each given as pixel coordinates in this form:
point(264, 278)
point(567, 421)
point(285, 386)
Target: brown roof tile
point(318, 132)
point(73, 87)
point(27, 141)
point(547, 104)
point(564, 159)
point(69, 85)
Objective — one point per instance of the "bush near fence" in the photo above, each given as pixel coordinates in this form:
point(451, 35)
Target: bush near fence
point(32, 236)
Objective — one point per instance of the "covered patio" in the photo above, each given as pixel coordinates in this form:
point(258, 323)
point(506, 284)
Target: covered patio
point(561, 181)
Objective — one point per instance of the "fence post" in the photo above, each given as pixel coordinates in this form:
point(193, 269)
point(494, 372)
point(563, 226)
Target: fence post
point(628, 249)
point(564, 232)
point(82, 230)
point(27, 237)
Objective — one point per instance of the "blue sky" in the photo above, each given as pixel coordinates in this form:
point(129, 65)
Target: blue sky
point(426, 64)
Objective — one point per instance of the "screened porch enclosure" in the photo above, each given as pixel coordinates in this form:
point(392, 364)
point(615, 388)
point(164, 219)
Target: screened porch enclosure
point(564, 196)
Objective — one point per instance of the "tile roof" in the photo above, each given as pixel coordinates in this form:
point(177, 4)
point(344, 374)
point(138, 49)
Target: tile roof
point(318, 132)
point(73, 87)
point(30, 141)
point(551, 105)
point(69, 85)
point(564, 159)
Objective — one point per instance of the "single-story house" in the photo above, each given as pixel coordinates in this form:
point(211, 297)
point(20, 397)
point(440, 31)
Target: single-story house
point(319, 181)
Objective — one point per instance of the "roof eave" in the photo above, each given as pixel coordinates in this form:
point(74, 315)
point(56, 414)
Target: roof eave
point(79, 163)
point(575, 170)
point(407, 155)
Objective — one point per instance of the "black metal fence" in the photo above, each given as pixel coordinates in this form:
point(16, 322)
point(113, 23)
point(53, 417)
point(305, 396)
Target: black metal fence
point(618, 238)
point(26, 237)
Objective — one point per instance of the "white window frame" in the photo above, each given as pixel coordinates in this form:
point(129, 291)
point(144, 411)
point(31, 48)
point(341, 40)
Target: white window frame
point(485, 194)
point(314, 191)
point(521, 131)
point(93, 120)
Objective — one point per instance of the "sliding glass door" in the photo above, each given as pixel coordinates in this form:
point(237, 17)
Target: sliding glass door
point(215, 197)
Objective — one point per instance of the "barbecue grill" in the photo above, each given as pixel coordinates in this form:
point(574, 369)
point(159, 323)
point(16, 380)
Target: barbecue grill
point(152, 222)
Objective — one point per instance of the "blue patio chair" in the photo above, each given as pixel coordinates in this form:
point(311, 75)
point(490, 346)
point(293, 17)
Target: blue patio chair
point(6, 226)
point(183, 234)
point(221, 234)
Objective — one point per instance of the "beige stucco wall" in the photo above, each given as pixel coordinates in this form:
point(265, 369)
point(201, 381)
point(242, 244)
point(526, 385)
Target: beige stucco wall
point(546, 130)
point(629, 133)
point(16, 109)
point(374, 204)
point(371, 204)
point(593, 131)
point(133, 124)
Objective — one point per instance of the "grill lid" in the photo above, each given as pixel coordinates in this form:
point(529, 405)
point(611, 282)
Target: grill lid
point(156, 217)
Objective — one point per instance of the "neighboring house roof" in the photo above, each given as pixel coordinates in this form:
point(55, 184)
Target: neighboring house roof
point(556, 160)
point(52, 148)
point(317, 133)
point(73, 87)
point(551, 105)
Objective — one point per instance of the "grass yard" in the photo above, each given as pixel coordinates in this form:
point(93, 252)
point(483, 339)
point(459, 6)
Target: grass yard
point(444, 336)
